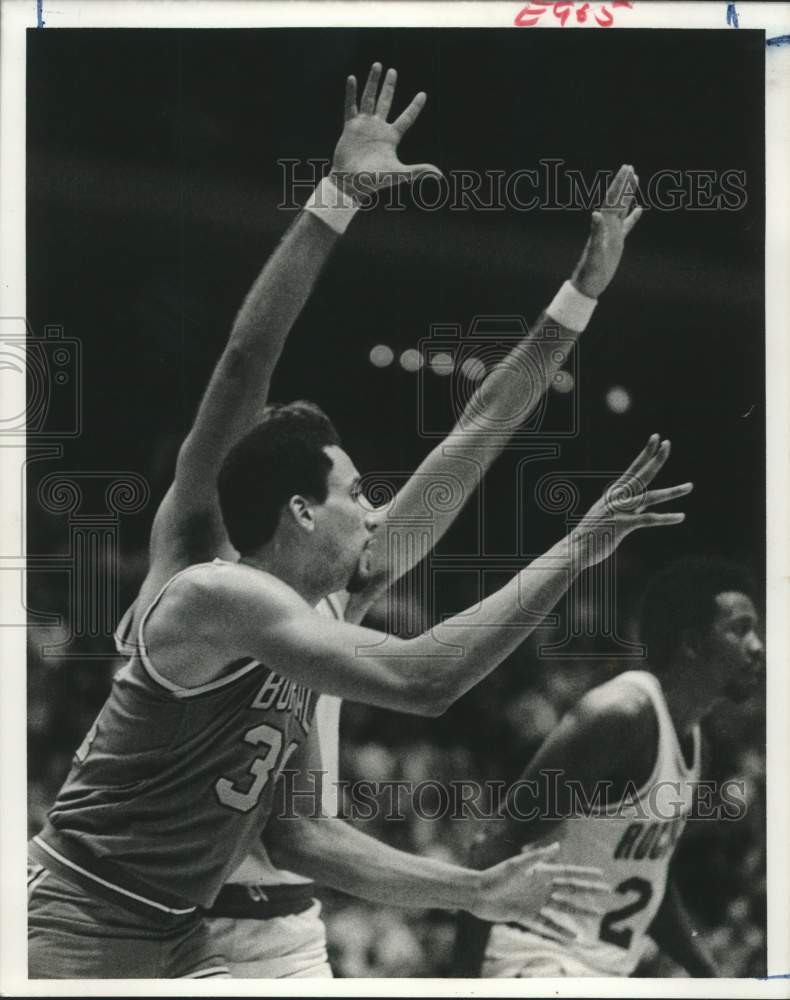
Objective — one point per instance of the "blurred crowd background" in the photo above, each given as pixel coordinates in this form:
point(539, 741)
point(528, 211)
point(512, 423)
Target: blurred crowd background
point(488, 736)
point(153, 186)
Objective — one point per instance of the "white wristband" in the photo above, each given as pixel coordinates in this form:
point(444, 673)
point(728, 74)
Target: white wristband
point(571, 309)
point(332, 206)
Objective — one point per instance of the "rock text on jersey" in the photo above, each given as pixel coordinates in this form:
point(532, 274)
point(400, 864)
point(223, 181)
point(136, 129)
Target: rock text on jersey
point(649, 841)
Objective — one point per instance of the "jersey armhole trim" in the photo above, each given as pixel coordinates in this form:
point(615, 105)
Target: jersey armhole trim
point(123, 645)
point(333, 603)
point(178, 690)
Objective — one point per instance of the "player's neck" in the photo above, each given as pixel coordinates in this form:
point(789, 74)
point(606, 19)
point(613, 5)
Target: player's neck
point(687, 696)
point(288, 567)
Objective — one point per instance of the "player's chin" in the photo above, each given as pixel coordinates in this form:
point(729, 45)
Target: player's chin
point(361, 574)
point(742, 688)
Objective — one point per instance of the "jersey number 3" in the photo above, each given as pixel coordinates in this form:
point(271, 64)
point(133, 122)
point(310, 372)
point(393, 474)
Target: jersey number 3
point(260, 768)
point(621, 936)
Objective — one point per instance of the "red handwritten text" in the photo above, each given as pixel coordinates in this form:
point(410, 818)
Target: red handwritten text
point(562, 10)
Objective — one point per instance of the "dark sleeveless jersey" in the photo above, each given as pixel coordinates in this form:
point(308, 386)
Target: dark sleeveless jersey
point(172, 786)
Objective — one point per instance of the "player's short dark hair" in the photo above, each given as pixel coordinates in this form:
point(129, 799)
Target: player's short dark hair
point(682, 597)
point(280, 457)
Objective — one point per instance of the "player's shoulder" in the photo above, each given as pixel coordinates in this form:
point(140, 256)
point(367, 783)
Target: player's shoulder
point(615, 730)
point(206, 590)
point(616, 703)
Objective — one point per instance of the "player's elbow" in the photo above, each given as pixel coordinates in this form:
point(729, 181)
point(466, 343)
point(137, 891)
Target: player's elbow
point(288, 842)
point(432, 696)
point(416, 683)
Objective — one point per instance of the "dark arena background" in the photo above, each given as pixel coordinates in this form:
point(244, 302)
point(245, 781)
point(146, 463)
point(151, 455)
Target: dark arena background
point(155, 172)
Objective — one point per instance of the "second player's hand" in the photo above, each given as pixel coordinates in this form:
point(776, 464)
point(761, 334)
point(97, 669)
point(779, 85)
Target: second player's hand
point(366, 157)
point(610, 226)
point(624, 507)
point(522, 888)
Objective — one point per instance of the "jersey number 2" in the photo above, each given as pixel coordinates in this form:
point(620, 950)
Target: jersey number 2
point(260, 768)
point(621, 936)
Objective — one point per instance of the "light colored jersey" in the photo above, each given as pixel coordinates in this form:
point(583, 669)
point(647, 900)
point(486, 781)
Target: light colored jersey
point(632, 844)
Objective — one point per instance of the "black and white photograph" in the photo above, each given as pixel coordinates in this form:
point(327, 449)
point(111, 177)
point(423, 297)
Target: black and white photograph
point(394, 418)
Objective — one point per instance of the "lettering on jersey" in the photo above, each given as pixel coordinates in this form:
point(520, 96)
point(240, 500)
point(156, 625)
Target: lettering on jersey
point(285, 696)
point(650, 841)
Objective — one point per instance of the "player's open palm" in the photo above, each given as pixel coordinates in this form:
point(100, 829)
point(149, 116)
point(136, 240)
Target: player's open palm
point(625, 506)
point(366, 156)
point(610, 225)
point(530, 889)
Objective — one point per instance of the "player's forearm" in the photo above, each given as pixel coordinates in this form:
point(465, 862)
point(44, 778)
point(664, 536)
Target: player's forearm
point(496, 410)
point(240, 381)
point(341, 857)
point(510, 394)
point(282, 288)
point(464, 649)
point(513, 388)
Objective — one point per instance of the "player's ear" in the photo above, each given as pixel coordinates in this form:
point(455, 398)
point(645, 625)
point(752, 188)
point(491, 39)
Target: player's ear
point(301, 511)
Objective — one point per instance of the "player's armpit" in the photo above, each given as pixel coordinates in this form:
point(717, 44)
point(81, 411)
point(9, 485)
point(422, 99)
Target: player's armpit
point(182, 535)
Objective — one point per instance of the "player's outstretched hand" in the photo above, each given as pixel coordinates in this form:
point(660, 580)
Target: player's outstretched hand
point(366, 157)
point(613, 221)
point(530, 889)
point(624, 507)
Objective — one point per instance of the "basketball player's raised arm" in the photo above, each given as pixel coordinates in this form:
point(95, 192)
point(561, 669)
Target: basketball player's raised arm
point(246, 613)
point(365, 158)
point(508, 396)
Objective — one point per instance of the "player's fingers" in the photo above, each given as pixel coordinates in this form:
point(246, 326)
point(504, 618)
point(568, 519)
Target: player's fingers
point(544, 929)
point(580, 884)
point(409, 116)
point(632, 220)
point(387, 93)
point(415, 170)
point(615, 190)
point(535, 853)
point(652, 497)
point(642, 458)
point(649, 520)
point(560, 922)
point(351, 98)
point(368, 102)
point(576, 904)
point(641, 472)
point(656, 463)
point(628, 197)
point(596, 228)
point(575, 871)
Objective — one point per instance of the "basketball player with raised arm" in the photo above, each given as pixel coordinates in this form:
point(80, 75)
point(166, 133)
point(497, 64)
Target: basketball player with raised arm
point(614, 784)
point(266, 920)
point(173, 784)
